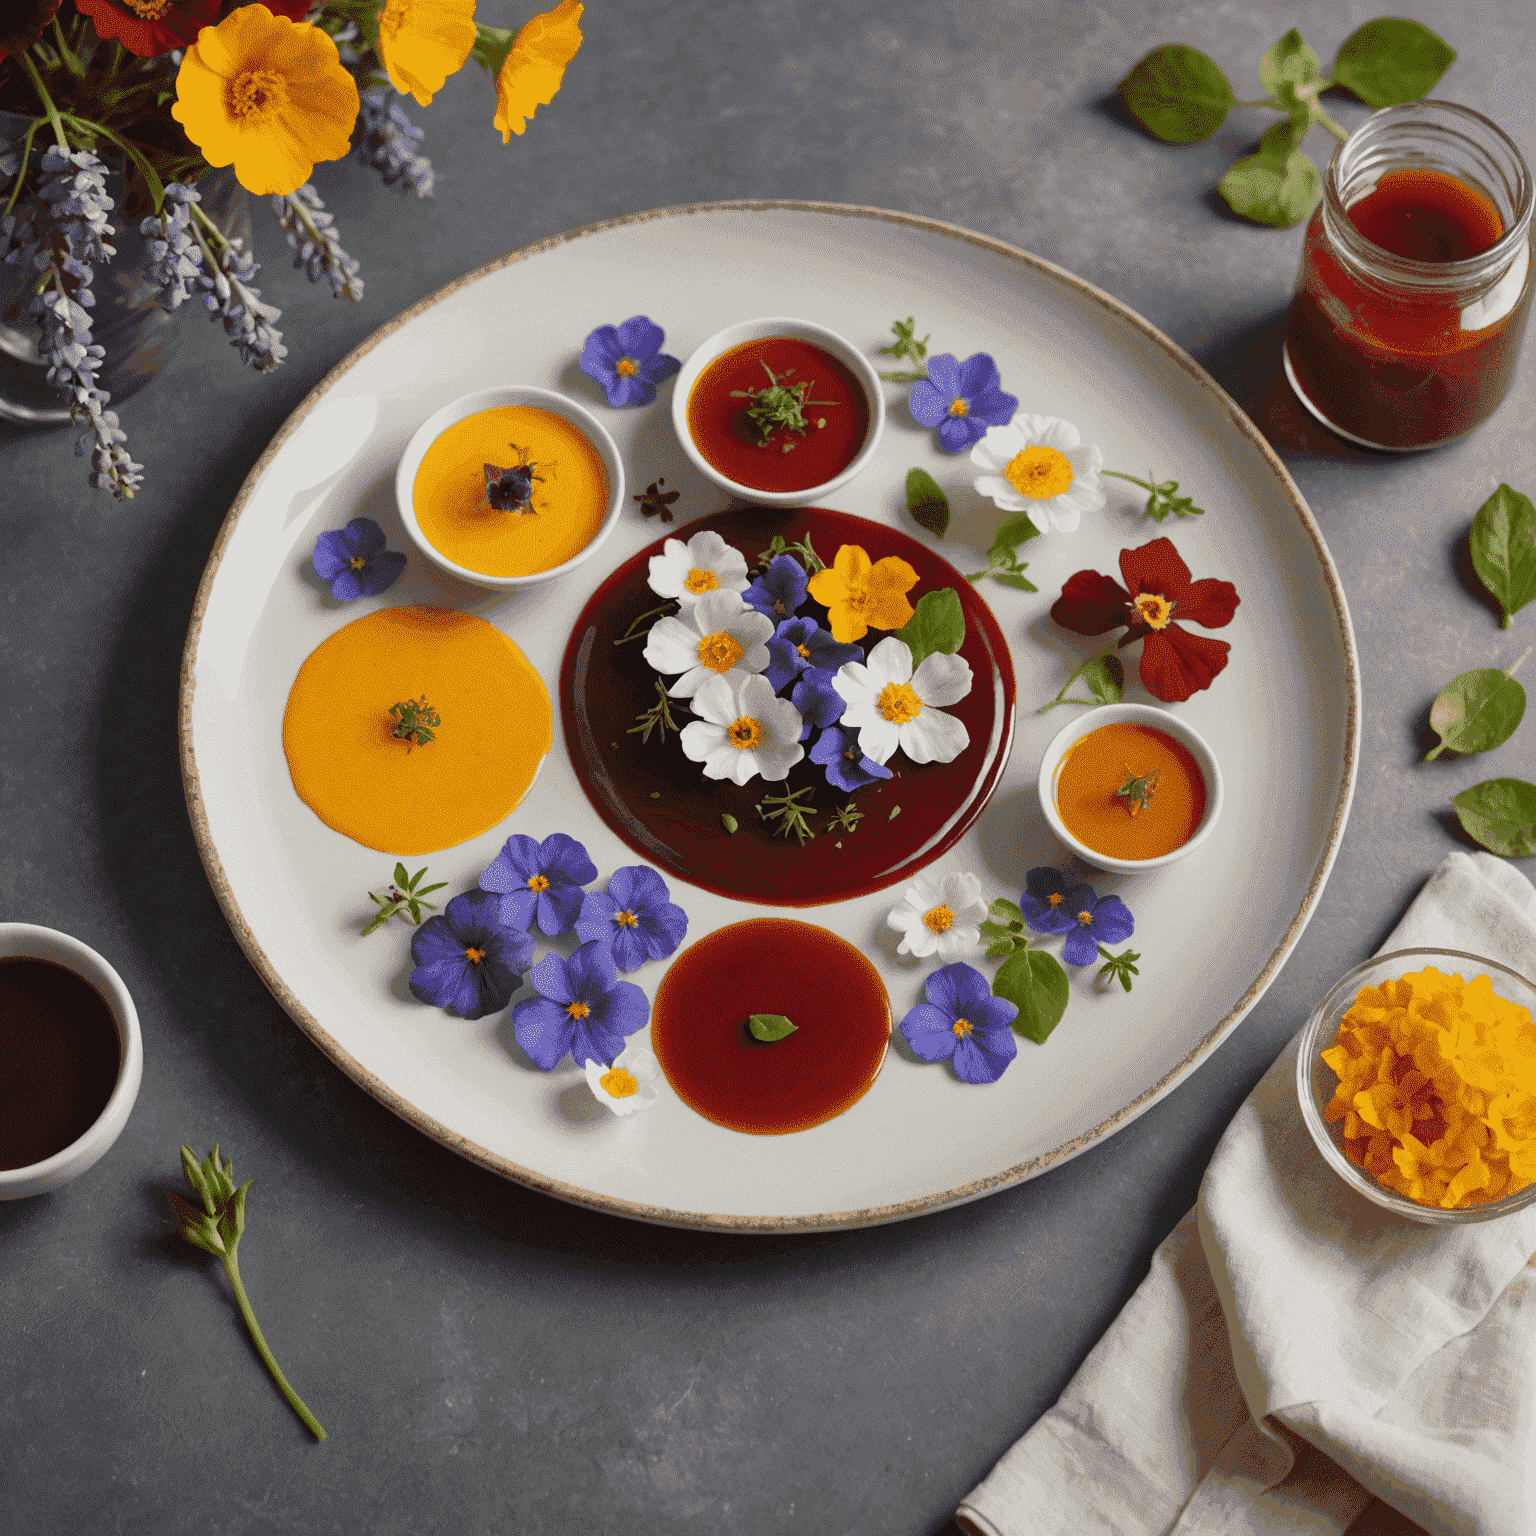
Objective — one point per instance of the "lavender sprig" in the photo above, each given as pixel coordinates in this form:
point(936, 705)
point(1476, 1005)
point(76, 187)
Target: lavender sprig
point(175, 257)
point(387, 141)
point(312, 238)
point(228, 293)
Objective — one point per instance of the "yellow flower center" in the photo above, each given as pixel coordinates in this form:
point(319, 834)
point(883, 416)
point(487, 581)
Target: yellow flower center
point(959, 407)
point(1056, 898)
point(358, 562)
point(1156, 611)
point(803, 651)
point(538, 883)
point(719, 652)
point(618, 1084)
point(940, 919)
point(744, 733)
point(150, 10)
point(473, 955)
point(1085, 918)
point(898, 703)
point(625, 368)
point(1039, 473)
point(255, 96)
point(626, 919)
point(577, 1010)
point(700, 581)
point(962, 1027)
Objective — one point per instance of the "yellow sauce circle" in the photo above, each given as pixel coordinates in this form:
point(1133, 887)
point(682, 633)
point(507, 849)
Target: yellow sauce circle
point(358, 778)
point(570, 495)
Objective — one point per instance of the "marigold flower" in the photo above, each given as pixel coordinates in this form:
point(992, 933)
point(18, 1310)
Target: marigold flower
point(860, 595)
point(422, 42)
point(535, 66)
point(267, 95)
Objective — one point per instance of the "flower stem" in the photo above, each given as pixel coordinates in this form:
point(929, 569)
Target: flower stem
point(47, 101)
point(71, 59)
point(311, 1423)
point(1146, 485)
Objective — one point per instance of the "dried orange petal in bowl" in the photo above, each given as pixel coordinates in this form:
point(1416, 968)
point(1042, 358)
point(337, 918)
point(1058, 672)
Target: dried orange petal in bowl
point(1417, 1080)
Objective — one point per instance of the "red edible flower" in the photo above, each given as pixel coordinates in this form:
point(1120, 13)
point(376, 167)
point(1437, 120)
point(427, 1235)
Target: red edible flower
point(150, 27)
point(1174, 663)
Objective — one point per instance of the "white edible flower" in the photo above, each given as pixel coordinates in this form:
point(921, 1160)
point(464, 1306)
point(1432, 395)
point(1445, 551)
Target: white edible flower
point(716, 636)
point(941, 916)
point(706, 563)
point(892, 706)
point(1040, 466)
point(743, 730)
point(629, 1084)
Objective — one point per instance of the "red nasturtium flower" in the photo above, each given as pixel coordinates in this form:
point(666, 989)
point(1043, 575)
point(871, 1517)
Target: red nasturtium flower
point(30, 20)
point(1158, 593)
point(150, 27)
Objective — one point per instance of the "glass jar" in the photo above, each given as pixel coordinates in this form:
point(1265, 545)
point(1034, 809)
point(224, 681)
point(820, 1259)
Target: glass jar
point(1415, 279)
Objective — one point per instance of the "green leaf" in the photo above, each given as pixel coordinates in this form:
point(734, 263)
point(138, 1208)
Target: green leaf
point(1036, 985)
point(1005, 911)
point(1503, 543)
point(1102, 675)
point(770, 1026)
point(1391, 60)
point(729, 822)
point(1178, 94)
point(927, 503)
point(1290, 62)
point(492, 45)
point(1501, 815)
point(1279, 186)
point(1476, 711)
point(937, 624)
point(1003, 561)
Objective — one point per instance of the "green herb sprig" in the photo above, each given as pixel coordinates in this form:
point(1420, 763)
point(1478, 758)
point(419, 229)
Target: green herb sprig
point(1503, 543)
point(787, 810)
point(639, 628)
point(1478, 710)
point(216, 1229)
point(1003, 563)
point(1163, 497)
point(405, 899)
point(416, 722)
point(1002, 930)
point(907, 346)
point(1104, 678)
point(1137, 791)
point(657, 718)
point(801, 549)
point(1119, 967)
point(845, 820)
point(778, 407)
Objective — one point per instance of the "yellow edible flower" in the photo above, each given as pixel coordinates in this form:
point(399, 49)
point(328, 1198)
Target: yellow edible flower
point(860, 595)
point(422, 42)
point(268, 96)
point(535, 66)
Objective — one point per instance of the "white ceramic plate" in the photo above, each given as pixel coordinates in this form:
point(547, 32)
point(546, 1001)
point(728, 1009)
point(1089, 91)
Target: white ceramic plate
point(1212, 930)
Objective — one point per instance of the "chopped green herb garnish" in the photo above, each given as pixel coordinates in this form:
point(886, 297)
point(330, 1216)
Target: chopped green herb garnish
point(778, 407)
point(789, 813)
point(847, 819)
point(1137, 791)
point(639, 628)
point(802, 548)
point(906, 345)
point(415, 721)
point(1122, 966)
point(405, 899)
point(729, 822)
point(657, 718)
point(1162, 499)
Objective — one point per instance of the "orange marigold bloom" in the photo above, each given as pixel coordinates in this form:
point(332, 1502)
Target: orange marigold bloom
point(860, 595)
point(422, 42)
point(268, 96)
point(535, 66)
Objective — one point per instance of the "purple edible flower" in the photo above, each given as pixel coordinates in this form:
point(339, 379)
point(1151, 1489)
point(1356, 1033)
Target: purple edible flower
point(1105, 921)
point(1044, 902)
point(635, 917)
point(779, 593)
point(802, 643)
point(964, 1023)
point(961, 399)
point(467, 961)
point(355, 562)
point(627, 360)
point(540, 881)
point(583, 1008)
point(837, 750)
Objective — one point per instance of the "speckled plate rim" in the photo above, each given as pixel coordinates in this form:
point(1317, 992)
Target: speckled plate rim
point(818, 1221)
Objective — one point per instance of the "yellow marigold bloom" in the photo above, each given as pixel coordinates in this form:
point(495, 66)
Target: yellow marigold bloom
point(267, 95)
point(422, 42)
point(535, 67)
point(860, 595)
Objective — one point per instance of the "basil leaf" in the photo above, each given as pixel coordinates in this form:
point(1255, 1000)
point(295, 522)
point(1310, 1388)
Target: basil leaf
point(926, 502)
point(1289, 63)
point(1391, 60)
point(1036, 985)
point(1178, 94)
point(1476, 711)
point(1005, 911)
point(770, 1026)
point(1503, 543)
point(937, 624)
point(1501, 815)
point(1279, 185)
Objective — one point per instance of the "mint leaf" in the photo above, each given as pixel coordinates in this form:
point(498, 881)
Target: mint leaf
point(1278, 186)
point(1477, 711)
point(1178, 94)
point(1503, 541)
point(927, 503)
point(1501, 815)
point(1288, 64)
point(937, 624)
point(1391, 60)
point(1036, 985)
point(1104, 678)
point(1003, 563)
point(769, 1027)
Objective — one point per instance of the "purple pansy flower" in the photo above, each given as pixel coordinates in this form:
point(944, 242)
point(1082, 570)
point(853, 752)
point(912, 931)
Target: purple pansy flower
point(817, 699)
point(467, 961)
point(627, 360)
point(355, 562)
point(583, 1008)
point(1105, 921)
point(1044, 902)
point(779, 593)
point(837, 750)
point(540, 881)
point(635, 917)
point(801, 643)
point(961, 399)
point(962, 1022)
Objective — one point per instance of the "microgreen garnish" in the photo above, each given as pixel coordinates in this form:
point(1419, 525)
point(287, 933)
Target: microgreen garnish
point(1102, 675)
point(657, 718)
point(847, 819)
point(216, 1229)
point(928, 505)
point(639, 629)
point(1137, 791)
point(1119, 967)
point(405, 899)
point(1003, 563)
point(1034, 982)
point(729, 822)
point(789, 813)
point(1501, 815)
point(1478, 710)
point(906, 345)
point(769, 1027)
point(1162, 498)
point(415, 721)
point(802, 547)
point(657, 503)
point(1503, 542)
point(510, 488)
point(1003, 930)
point(895, 812)
point(778, 407)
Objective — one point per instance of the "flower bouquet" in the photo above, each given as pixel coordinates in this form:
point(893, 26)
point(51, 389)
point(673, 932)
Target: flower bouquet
point(164, 91)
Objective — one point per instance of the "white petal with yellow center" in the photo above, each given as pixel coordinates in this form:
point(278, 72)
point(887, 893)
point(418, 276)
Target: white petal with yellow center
point(706, 563)
point(629, 1084)
point(881, 692)
point(743, 731)
point(958, 932)
point(1040, 466)
point(703, 640)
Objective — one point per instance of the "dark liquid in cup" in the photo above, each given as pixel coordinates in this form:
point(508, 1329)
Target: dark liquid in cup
point(59, 1058)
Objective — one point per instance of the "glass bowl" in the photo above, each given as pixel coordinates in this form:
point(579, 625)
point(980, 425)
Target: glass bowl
point(1316, 1080)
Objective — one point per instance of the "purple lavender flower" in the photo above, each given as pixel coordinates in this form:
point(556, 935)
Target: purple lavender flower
point(1044, 902)
point(230, 295)
point(540, 881)
point(635, 917)
point(467, 961)
point(627, 360)
point(961, 399)
point(355, 562)
point(962, 1022)
point(779, 593)
point(175, 257)
point(801, 643)
point(582, 1009)
point(387, 140)
point(837, 750)
point(1104, 921)
point(312, 238)
point(817, 699)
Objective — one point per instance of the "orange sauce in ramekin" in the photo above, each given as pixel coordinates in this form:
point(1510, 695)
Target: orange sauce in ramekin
point(1097, 764)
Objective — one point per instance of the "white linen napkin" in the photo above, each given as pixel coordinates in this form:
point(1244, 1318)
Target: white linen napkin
point(1295, 1349)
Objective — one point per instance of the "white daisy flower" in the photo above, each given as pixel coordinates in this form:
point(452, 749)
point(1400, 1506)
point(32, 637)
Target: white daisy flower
point(629, 1084)
point(891, 706)
point(706, 563)
point(939, 916)
point(743, 730)
point(716, 636)
point(1040, 466)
